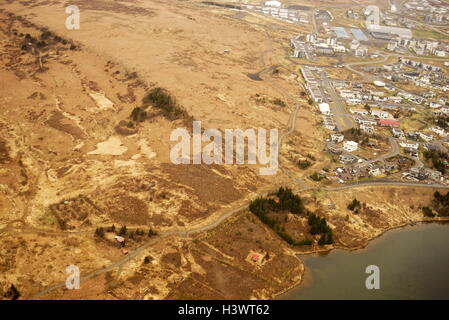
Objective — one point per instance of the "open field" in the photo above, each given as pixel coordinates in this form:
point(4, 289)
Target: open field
point(74, 162)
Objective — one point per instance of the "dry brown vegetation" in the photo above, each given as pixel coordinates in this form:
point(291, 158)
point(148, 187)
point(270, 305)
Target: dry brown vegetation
point(73, 160)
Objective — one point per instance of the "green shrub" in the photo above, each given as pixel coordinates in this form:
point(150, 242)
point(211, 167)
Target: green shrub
point(428, 212)
point(279, 102)
point(304, 164)
point(355, 205)
point(161, 99)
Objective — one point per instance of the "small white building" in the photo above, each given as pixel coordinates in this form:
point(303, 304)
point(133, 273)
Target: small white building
point(367, 129)
point(361, 112)
point(409, 144)
point(380, 114)
point(350, 146)
point(439, 131)
point(361, 51)
point(379, 83)
point(435, 105)
point(119, 239)
point(353, 101)
point(398, 133)
point(355, 44)
point(337, 137)
point(273, 3)
point(426, 136)
point(324, 108)
point(444, 110)
point(375, 171)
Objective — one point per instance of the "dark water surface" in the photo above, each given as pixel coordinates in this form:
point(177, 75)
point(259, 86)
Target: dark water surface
point(413, 263)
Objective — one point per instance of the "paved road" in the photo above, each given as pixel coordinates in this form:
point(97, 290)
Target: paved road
point(342, 119)
point(367, 76)
point(395, 149)
point(374, 183)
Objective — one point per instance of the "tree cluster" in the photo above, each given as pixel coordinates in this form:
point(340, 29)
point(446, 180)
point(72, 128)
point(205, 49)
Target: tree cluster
point(161, 99)
point(441, 204)
point(319, 225)
point(317, 176)
point(361, 137)
point(438, 159)
point(279, 102)
point(304, 164)
point(428, 212)
point(99, 232)
point(355, 206)
point(288, 201)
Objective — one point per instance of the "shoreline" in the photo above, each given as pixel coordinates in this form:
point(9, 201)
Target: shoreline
point(351, 249)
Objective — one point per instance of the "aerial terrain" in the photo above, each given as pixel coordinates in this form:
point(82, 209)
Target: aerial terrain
point(87, 176)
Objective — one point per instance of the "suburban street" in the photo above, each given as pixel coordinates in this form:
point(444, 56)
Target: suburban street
point(342, 120)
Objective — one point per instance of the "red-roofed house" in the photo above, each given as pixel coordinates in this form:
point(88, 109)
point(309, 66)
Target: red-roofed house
point(256, 258)
point(388, 123)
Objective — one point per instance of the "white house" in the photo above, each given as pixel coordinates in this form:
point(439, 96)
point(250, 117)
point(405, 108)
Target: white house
point(409, 144)
point(439, 131)
point(355, 44)
point(339, 48)
point(337, 137)
point(367, 129)
point(361, 51)
point(273, 3)
point(380, 114)
point(365, 121)
point(375, 171)
point(444, 110)
point(361, 112)
point(348, 94)
point(119, 239)
point(324, 108)
point(395, 99)
point(426, 136)
point(354, 101)
point(435, 105)
point(350, 146)
point(398, 133)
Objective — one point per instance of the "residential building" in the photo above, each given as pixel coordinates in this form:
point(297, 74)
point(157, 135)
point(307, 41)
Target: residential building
point(398, 133)
point(350, 146)
point(426, 136)
point(337, 137)
point(409, 144)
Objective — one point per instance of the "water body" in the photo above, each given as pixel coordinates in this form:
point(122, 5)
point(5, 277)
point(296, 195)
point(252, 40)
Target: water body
point(413, 263)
